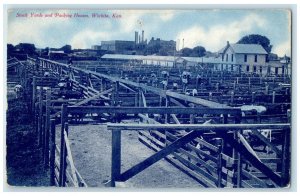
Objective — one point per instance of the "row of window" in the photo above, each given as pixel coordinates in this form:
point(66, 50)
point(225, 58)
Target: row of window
point(245, 58)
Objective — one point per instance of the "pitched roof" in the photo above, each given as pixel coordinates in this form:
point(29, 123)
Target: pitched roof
point(246, 49)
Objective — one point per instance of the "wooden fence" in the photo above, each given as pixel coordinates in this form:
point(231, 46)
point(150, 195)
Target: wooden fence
point(214, 173)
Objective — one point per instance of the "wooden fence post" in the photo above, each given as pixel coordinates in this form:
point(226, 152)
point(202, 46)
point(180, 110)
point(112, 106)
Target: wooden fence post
point(52, 152)
point(115, 156)
point(232, 97)
point(238, 164)
point(136, 100)
point(273, 96)
point(47, 127)
point(253, 97)
point(33, 94)
point(266, 88)
point(220, 161)
point(40, 123)
point(64, 120)
point(285, 177)
point(36, 115)
point(167, 105)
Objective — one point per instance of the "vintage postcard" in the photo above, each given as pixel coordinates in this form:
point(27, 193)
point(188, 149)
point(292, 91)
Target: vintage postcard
point(145, 98)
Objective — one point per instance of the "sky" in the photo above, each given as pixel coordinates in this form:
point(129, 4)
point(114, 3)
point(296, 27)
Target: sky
point(208, 27)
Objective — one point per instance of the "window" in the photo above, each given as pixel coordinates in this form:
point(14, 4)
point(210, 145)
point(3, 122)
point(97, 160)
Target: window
point(231, 67)
point(222, 57)
point(276, 70)
point(248, 68)
point(254, 69)
point(226, 57)
point(231, 57)
point(260, 69)
point(269, 69)
point(255, 58)
point(245, 58)
point(282, 70)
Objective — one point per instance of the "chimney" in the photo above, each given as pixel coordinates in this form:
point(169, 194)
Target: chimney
point(139, 38)
point(227, 43)
point(136, 37)
point(142, 36)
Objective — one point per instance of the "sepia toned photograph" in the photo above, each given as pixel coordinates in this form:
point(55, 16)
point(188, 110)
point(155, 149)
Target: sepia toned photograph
point(148, 98)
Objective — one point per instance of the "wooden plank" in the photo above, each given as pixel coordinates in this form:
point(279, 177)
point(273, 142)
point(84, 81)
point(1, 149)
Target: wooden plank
point(252, 159)
point(197, 127)
point(62, 145)
point(246, 184)
point(152, 110)
point(210, 180)
point(176, 163)
point(266, 141)
point(82, 181)
point(93, 97)
point(52, 151)
point(127, 87)
point(285, 167)
point(157, 156)
point(70, 158)
point(193, 148)
point(47, 128)
point(247, 145)
point(196, 100)
point(175, 118)
point(260, 182)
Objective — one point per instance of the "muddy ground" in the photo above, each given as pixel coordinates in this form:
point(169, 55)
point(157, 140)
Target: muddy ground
point(24, 165)
point(91, 149)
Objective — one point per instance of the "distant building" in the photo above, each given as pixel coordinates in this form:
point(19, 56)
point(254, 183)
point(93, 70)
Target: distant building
point(161, 47)
point(96, 47)
point(164, 61)
point(248, 58)
point(57, 55)
point(118, 46)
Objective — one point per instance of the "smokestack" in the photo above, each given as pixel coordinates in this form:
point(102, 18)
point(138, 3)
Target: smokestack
point(136, 37)
point(142, 36)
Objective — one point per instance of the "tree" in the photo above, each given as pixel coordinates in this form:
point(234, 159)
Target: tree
point(256, 39)
point(198, 51)
point(186, 51)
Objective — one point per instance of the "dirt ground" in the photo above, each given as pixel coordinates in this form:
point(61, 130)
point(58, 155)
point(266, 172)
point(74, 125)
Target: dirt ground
point(91, 149)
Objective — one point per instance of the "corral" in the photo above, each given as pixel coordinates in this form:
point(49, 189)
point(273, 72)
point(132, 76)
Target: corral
point(216, 128)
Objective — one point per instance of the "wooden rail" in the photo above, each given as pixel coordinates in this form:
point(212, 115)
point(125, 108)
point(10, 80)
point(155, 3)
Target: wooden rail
point(195, 129)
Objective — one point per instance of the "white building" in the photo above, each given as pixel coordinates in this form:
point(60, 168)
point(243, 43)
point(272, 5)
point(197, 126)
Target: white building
point(248, 58)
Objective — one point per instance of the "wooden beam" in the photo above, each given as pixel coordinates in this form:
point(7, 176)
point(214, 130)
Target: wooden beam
point(198, 127)
point(152, 110)
point(247, 145)
point(196, 100)
point(93, 97)
point(127, 87)
point(157, 156)
point(115, 156)
point(266, 141)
